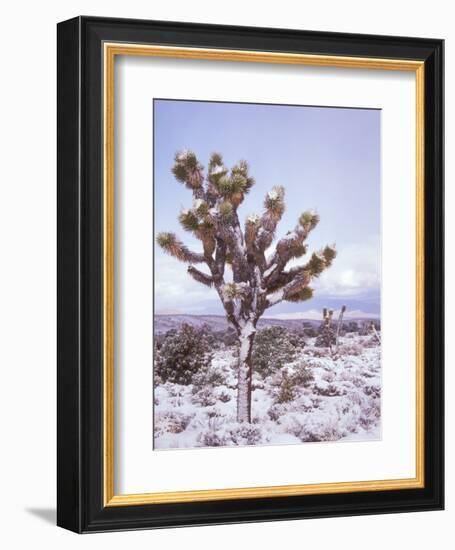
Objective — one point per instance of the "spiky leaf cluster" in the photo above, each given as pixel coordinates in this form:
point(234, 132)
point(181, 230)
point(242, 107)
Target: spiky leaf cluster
point(216, 169)
point(232, 291)
point(173, 246)
point(274, 201)
point(306, 293)
point(309, 219)
point(187, 169)
point(225, 209)
point(189, 220)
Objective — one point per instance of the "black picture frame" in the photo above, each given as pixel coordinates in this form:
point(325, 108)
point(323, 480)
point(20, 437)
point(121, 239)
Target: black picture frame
point(80, 475)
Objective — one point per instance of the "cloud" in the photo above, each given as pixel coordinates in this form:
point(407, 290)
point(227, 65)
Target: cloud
point(175, 289)
point(355, 272)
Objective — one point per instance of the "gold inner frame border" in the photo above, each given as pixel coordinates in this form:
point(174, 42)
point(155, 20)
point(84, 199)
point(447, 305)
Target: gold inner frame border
point(110, 51)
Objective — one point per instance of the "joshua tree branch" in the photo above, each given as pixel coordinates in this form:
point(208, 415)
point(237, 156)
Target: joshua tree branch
point(174, 246)
point(299, 282)
point(200, 277)
point(291, 246)
point(273, 212)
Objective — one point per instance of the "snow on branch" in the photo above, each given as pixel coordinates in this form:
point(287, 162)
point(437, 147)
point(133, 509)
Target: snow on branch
point(188, 170)
point(292, 245)
point(293, 285)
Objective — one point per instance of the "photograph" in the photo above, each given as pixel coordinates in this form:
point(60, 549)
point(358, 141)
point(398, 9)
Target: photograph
point(267, 274)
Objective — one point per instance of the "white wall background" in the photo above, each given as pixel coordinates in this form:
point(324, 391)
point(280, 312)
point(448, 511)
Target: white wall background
point(28, 263)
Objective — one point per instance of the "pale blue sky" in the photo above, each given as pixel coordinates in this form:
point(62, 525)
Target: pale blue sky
point(327, 159)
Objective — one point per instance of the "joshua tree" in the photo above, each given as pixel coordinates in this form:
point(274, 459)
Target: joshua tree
point(327, 337)
point(259, 280)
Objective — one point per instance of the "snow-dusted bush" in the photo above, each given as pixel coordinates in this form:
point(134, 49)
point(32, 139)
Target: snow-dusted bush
point(182, 354)
point(313, 351)
point(350, 348)
point(228, 337)
point(223, 396)
point(204, 396)
point(352, 327)
point(276, 411)
point(302, 374)
point(366, 327)
point(370, 342)
point(315, 427)
point(309, 330)
point(233, 433)
point(286, 391)
point(212, 438)
point(287, 384)
point(209, 375)
point(329, 389)
point(245, 434)
point(273, 348)
point(326, 337)
point(171, 422)
point(371, 414)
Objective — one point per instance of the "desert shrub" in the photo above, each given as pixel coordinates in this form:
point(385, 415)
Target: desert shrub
point(171, 422)
point(224, 397)
point(302, 375)
point(210, 438)
point(373, 390)
point(257, 382)
point(314, 427)
point(229, 337)
point(309, 330)
point(174, 390)
point(326, 337)
point(328, 389)
point(286, 384)
point(221, 431)
point(366, 327)
point(277, 411)
point(213, 433)
point(273, 348)
point(370, 342)
point(204, 397)
point(210, 336)
point(350, 348)
point(245, 434)
point(208, 376)
point(371, 414)
point(351, 326)
point(317, 352)
point(286, 390)
point(182, 354)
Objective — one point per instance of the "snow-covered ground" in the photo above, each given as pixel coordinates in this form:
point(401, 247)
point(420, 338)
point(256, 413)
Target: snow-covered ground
point(316, 397)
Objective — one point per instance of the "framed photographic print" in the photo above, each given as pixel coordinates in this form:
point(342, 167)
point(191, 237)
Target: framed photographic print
point(250, 274)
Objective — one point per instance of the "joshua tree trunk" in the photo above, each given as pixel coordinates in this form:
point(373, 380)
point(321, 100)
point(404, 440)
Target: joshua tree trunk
point(260, 279)
point(375, 332)
point(340, 323)
point(245, 373)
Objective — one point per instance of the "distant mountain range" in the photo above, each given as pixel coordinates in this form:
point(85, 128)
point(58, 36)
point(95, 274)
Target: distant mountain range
point(166, 322)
